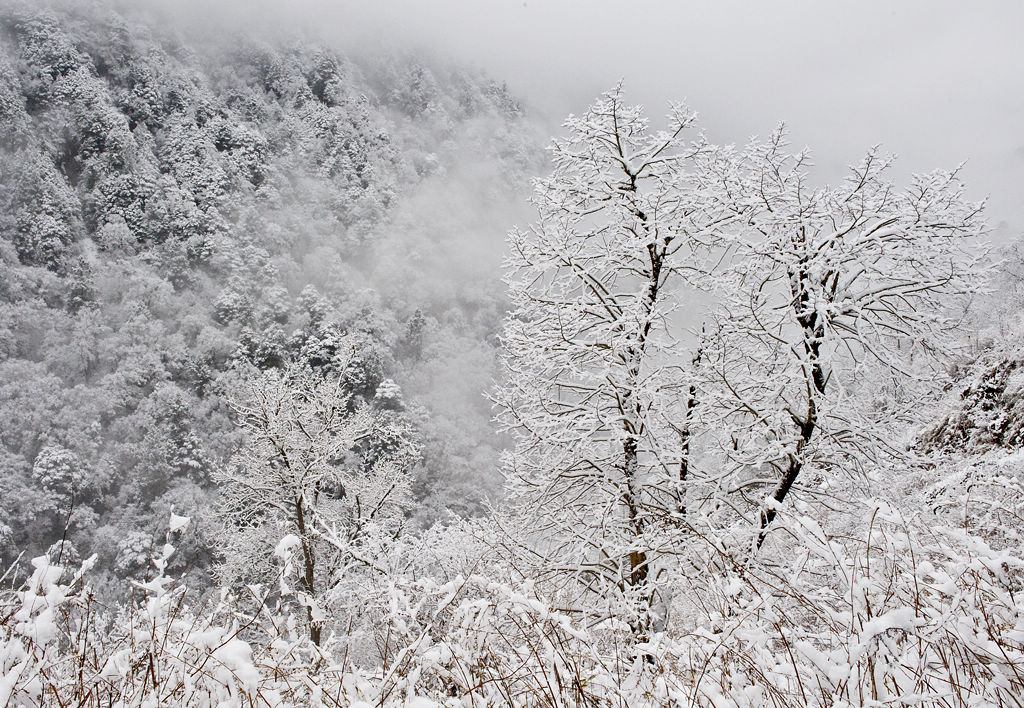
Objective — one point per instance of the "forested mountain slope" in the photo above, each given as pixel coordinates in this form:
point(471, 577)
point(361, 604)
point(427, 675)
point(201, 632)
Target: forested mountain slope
point(171, 209)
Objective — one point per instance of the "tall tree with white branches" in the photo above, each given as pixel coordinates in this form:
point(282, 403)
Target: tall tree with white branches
point(594, 382)
point(822, 294)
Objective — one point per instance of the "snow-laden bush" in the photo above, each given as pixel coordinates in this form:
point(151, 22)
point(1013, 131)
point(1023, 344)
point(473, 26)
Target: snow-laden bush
point(29, 632)
point(901, 614)
point(58, 648)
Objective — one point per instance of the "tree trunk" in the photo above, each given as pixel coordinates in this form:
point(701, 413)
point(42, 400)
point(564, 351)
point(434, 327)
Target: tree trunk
point(308, 580)
point(813, 330)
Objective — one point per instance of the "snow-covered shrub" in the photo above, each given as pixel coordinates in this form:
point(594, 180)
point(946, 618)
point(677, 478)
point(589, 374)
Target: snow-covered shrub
point(29, 633)
point(57, 648)
point(478, 641)
point(903, 612)
point(982, 493)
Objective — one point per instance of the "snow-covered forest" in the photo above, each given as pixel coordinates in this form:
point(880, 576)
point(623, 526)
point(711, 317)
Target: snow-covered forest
point(322, 382)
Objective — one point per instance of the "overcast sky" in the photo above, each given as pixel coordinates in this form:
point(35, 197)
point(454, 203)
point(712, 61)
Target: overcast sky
point(937, 82)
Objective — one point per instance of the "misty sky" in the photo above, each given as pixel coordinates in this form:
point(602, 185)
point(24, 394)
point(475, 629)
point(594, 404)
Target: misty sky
point(937, 82)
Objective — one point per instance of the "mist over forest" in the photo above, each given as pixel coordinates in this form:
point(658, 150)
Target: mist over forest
point(172, 211)
point(332, 372)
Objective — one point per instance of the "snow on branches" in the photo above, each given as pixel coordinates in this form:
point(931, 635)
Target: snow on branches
point(824, 292)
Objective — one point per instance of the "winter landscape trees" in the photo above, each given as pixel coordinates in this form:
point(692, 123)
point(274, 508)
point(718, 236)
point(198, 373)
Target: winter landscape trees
point(756, 455)
point(144, 255)
point(690, 328)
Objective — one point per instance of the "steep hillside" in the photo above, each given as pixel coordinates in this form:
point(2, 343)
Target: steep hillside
point(173, 210)
point(989, 409)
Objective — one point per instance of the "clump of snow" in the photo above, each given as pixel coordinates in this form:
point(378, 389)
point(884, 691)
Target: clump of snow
point(178, 523)
point(286, 546)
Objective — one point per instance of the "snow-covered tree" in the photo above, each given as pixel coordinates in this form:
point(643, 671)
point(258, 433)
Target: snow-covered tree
point(825, 296)
point(596, 376)
point(295, 477)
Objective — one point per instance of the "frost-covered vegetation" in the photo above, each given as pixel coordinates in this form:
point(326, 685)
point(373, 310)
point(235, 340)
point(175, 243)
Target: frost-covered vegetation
point(760, 447)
